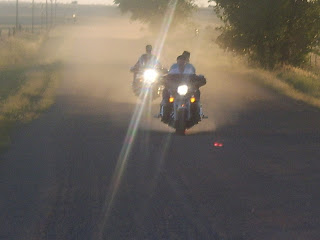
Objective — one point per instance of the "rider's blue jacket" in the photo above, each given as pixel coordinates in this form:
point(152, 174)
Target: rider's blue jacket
point(188, 69)
point(147, 60)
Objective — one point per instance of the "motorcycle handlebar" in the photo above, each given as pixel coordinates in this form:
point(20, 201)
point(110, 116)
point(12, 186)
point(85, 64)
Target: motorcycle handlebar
point(174, 80)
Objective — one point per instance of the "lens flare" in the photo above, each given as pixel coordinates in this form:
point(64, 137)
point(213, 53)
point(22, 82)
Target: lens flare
point(167, 20)
point(123, 157)
point(134, 123)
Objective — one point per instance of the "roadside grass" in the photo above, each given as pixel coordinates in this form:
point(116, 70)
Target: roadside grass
point(20, 50)
point(34, 96)
point(5, 129)
point(299, 84)
point(10, 81)
point(27, 87)
point(301, 80)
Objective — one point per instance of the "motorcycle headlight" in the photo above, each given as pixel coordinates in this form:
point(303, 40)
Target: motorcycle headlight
point(182, 90)
point(150, 75)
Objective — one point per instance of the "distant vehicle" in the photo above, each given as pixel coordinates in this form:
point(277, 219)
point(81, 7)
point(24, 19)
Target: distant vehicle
point(74, 17)
point(71, 19)
point(196, 32)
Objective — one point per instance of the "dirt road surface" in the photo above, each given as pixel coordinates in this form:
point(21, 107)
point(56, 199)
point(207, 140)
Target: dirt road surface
point(73, 173)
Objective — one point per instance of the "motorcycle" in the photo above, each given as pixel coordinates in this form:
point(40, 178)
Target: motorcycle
point(148, 79)
point(182, 110)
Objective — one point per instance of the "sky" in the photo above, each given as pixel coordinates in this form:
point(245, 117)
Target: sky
point(201, 3)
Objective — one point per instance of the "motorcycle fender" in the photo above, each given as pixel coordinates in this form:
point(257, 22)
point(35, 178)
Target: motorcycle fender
point(188, 106)
point(180, 106)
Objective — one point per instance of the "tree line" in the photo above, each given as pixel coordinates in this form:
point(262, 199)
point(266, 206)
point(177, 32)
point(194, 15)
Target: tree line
point(153, 11)
point(268, 32)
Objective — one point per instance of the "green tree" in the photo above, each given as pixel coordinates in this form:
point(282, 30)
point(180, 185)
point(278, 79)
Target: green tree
point(153, 11)
point(270, 31)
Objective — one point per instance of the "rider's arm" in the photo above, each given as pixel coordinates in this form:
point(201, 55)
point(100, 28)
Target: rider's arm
point(137, 65)
point(194, 69)
point(174, 69)
point(191, 68)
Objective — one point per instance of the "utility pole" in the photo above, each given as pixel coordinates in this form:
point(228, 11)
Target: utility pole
point(17, 15)
point(51, 21)
point(46, 15)
point(41, 17)
point(32, 16)
point(55, 12)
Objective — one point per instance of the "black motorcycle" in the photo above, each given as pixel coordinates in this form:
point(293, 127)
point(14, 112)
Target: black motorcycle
point(182, 109)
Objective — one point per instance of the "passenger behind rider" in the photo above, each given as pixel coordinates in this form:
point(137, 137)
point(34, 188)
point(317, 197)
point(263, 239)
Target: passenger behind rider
point(187, 55)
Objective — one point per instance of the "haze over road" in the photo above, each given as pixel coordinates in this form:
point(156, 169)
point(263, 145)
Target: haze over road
point(58, 177)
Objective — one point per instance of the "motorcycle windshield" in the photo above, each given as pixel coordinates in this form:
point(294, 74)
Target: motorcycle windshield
point(174, 80)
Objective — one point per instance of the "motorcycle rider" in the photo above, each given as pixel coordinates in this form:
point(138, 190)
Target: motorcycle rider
point(146, 60)
point(176, 68)
point(182, 67)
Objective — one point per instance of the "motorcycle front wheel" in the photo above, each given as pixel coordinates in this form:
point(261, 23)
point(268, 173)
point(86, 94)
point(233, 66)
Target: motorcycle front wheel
point(181, 123)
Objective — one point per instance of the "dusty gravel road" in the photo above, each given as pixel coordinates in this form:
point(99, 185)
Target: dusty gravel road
point(73, 174)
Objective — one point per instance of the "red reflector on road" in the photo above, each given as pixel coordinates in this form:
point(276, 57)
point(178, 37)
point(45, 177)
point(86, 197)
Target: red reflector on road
point(218, 144)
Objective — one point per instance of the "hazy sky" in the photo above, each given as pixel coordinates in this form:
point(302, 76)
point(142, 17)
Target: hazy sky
point(202, 3)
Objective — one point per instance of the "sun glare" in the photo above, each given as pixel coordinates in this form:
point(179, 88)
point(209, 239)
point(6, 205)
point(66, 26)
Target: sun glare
point(143, 105)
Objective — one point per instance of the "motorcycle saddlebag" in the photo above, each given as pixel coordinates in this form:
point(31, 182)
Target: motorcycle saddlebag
point(200, 81)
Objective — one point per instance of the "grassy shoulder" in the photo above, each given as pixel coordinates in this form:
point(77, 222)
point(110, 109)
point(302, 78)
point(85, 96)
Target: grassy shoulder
point(299, 84)
point(27, 87)
point(20, 50)
point(301, 80)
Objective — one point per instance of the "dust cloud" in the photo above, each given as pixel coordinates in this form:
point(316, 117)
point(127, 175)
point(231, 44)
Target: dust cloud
point(98, 52)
